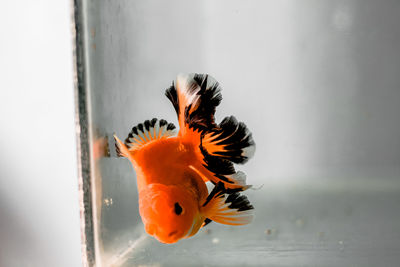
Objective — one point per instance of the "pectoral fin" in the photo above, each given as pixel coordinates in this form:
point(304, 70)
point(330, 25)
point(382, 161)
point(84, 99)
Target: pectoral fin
point(227, 208)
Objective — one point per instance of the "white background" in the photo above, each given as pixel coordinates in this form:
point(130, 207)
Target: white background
point(39, 214)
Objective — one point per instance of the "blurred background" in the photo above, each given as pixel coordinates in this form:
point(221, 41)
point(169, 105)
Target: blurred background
point(317, 82)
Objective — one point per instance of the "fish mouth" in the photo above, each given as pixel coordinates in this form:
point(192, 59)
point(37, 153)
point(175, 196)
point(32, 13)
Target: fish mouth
point(168, 238)
point(172, 233)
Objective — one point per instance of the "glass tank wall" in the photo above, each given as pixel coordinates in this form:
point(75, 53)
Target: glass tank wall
point(317, 83)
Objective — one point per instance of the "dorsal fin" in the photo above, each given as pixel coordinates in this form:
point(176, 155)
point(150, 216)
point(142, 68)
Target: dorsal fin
point(148, 131)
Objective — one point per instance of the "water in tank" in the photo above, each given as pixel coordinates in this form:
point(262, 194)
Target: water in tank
point(316, 82)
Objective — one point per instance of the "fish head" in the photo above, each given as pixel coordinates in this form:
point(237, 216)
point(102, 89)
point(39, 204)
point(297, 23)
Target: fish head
point(168, 212)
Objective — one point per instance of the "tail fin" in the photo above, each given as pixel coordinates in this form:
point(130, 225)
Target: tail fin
point(231, 140)
point(195, 98)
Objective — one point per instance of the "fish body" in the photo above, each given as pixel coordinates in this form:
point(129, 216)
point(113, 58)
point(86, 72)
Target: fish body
point(164, 160)
point(172, 168)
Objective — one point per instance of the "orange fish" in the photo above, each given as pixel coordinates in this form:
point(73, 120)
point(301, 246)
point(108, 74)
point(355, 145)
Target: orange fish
point(172, 168)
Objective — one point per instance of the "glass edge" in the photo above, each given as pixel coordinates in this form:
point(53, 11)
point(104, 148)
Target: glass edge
point(83, 133)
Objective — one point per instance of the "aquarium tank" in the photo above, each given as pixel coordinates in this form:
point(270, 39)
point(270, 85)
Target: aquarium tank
point(316, 82)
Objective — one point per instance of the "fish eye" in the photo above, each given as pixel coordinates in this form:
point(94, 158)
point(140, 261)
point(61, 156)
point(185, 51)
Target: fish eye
point(178, 209)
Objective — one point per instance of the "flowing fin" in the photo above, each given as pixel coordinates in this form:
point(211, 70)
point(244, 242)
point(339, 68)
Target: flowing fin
point(218, 169)
point(227, 208)
point(195, 98)
point(147, 132)
point(231, 140)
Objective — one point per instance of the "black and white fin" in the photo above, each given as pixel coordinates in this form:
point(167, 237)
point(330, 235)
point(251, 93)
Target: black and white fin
point(231, 140)
point(227, 208)
point(147, 132)
point(224, 170)
point(195, 98)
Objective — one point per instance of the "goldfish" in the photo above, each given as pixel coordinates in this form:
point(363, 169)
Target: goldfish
point(172, 167)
